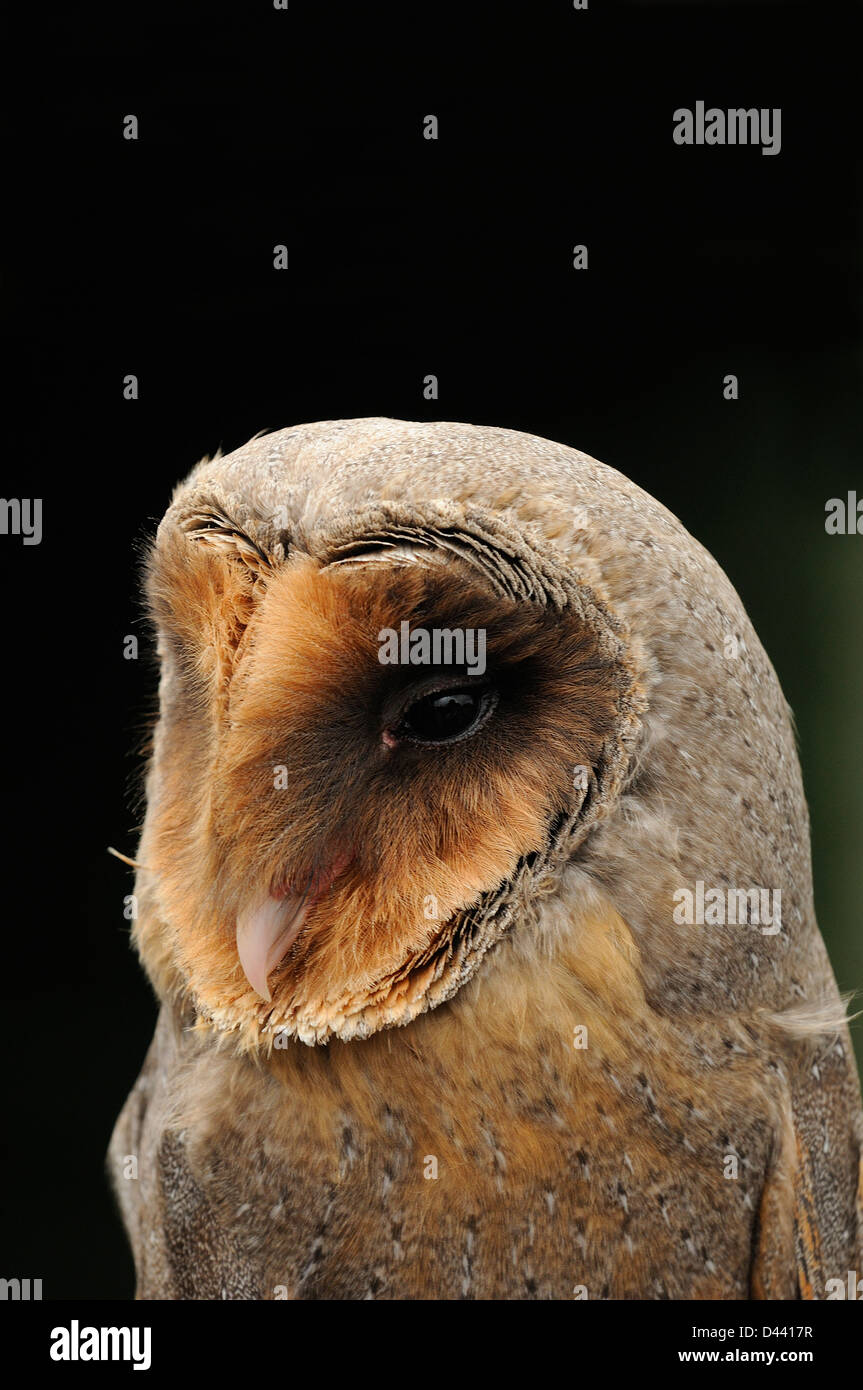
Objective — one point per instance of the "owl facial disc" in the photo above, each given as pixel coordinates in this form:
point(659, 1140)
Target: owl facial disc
point(450, 797)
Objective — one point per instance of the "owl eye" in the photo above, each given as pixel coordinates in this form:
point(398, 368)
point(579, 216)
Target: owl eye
point(445, 716)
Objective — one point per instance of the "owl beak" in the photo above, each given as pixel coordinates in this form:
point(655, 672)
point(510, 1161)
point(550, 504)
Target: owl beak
point(267, 931)
point(265, 934)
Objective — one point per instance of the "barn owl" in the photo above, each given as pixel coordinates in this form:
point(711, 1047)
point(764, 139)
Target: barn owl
point(465, 992)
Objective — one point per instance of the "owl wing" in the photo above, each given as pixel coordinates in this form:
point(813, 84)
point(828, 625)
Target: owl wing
point(810, 1226)
point(180, 1248)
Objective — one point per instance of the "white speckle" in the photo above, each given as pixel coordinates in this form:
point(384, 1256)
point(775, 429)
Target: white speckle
point(549, 1202)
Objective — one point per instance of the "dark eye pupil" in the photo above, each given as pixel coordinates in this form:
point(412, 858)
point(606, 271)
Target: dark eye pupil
point(443, 715)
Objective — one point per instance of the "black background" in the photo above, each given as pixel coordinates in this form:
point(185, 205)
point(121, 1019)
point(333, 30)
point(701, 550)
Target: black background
point(407, 257)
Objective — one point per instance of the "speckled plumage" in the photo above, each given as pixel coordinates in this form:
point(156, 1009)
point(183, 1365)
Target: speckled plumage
point(303, 1170)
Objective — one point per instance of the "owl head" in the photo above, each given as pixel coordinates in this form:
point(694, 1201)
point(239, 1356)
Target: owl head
point(409, 675)
point(380, 722)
